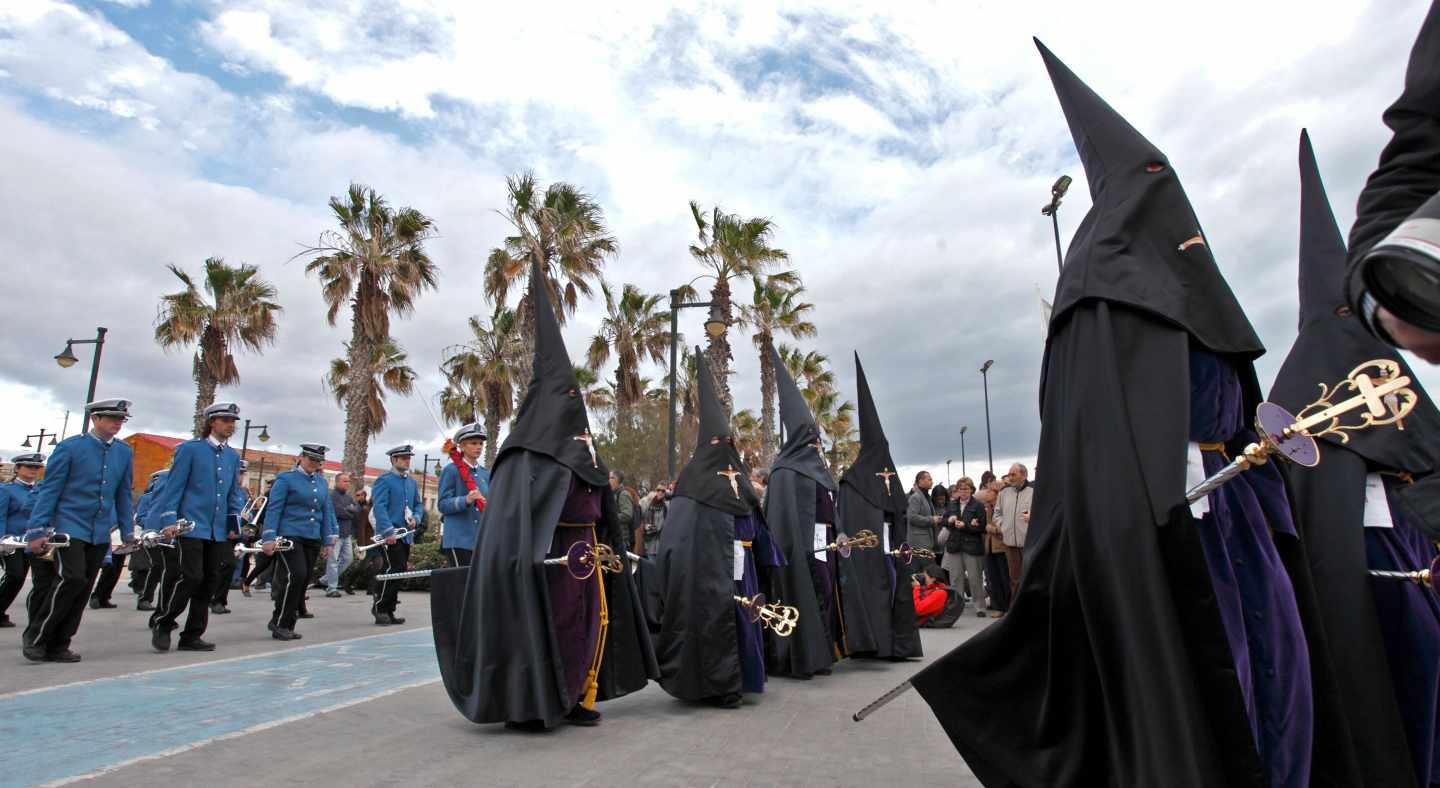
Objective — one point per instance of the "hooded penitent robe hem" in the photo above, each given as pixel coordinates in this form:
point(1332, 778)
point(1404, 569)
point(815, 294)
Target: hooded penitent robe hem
point(790, 512)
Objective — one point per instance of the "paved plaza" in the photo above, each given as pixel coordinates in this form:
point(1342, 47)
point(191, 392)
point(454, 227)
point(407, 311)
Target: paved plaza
point(356, 704)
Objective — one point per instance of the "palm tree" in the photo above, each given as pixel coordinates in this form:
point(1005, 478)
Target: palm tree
point(810, 369)
point(564, 230)
point(377, 265)
point(730, 247)
point(240, 312)
point(747, 437)
point(775, 309)
point(635, 328)
point(482, 375)
point(388, 372)
point(599, 398)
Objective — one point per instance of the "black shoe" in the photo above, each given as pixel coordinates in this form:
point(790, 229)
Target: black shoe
point(271, 626)
point(384, 619)
point(528, 726)
point(160, 638)
point(332, 594)
point(94, 603)
point(195, 645)
point(284, 634)
point(5, 622)
point(144, 605)
point(63, 655)
point(979, 613)
point(349, 592)
point(304, 614)
point(730, 700)
point(587, 718)
point(33, 653)
point(218, 609)
point(396, 620)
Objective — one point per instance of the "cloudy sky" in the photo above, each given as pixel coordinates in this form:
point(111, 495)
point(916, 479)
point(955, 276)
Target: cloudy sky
point(903, 154)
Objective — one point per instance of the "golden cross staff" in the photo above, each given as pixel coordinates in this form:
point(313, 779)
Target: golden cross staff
point(1385, 398)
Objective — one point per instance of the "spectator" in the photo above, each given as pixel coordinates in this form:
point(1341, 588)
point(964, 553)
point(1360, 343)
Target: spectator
point(920, 517)
point(653, 509)
point(1012, 514)
point(932, 598)
point(939, 501)
point(987, 482)
point(997, 569)
point(760, 479)
point(345, 510)
point(965, 519)
point(624, 508)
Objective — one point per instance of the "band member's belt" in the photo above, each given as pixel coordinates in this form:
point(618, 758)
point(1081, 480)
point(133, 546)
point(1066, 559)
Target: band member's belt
point(563, 524)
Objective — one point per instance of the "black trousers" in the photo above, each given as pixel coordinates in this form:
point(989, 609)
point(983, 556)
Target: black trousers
point(394, 558)
point(156, 572)
point(458, 556)
point(13, 569)
point(62, 591)
point(109, 578)
point(164, 577)
point(292, 572)
point(221, 592)
point(199, 561)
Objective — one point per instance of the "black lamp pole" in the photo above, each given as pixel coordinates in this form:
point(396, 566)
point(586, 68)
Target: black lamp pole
point(66, 358)
point(39, 439)
point(245, 439)
point(962, 451)
point(985, 379)
point(715, 319)
point(424, 467)
point(1052, 209)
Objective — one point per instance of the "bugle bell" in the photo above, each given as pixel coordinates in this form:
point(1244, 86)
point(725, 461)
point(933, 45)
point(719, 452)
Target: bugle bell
point(282, 545)
point(397, 535)
point(582, 559)
point(778, 618)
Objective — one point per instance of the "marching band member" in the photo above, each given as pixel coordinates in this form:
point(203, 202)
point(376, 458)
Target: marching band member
point(86, 491)
point(204, 488)
point(461, 526)
point(298, 509)
point(17, 498)
point(397, 505)
point(229, 565)
point(146, 581)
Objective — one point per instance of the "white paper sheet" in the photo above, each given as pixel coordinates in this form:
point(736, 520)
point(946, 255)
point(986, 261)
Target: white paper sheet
point(739, 560)
point(1195, 474)
point(885, 536)
point(820, 543)
point(1377, 503)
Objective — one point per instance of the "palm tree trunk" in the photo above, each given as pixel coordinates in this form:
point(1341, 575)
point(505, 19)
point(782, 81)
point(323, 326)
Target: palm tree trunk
point(525, 363)
point(718, 348)
point(767, 402)
point(204, 392)
point(357, 437)
point(492, 432)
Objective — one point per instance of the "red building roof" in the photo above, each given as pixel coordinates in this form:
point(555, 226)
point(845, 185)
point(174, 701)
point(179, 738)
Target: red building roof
point(274, 460)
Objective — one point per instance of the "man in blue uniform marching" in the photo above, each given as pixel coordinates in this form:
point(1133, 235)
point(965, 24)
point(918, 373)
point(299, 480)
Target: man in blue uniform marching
point(204, 488)
point(458, 500)
point(396, 499)
point(85, 495)
point(148, 585)
point(298, 509)
point(17, 498)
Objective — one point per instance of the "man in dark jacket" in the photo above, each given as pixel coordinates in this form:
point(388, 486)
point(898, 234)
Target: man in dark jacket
point(345, 511)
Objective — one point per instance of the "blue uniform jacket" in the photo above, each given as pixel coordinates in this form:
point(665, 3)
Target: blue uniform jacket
point(392, 494)
point(203, 487)
point(299, 508)
point(461, 519)
point(16, 500)
point(86, 490)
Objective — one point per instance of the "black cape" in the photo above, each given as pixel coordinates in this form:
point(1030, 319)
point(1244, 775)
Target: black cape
point(1329, 499)
point(1112, 660)
point(497, 649)
point(795, 474)
point(879, 611)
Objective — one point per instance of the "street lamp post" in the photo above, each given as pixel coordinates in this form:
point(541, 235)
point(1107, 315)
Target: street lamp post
point(1052, 209)
point(985, 379)
point(39, 439)
point(715, 325)
point(962, 450)
point(947, 472)
point(424, 466)
point(245, 439)
point(66, 359)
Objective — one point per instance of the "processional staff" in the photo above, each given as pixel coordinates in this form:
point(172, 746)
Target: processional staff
point(1385, 399)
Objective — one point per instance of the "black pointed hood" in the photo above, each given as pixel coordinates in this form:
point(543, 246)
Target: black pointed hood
point(873, 465)
point(1333, 341)
point(1140, 244)
point(802, 450)
point(707, 477)
point(552, 419)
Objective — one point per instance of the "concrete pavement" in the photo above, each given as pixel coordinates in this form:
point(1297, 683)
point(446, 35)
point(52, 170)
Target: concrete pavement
point(362, 705)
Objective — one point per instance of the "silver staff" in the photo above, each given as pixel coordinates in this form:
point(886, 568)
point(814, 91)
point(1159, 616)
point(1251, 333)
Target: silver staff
point(397, 535)
point(1385, 398)
point(634, 567)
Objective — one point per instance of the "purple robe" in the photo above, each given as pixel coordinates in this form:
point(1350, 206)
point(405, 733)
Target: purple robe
point(575, 604)
point(825, 572)
point(749, 639)
point(1252, 588)
point(1409, 616)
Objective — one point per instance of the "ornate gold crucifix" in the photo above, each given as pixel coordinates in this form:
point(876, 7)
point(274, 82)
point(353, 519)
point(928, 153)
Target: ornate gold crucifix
point(731, 474)
point(887, 475)
point(589, 444)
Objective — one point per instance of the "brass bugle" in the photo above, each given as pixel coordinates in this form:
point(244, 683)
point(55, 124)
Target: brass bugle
point(778, 618)
point(282, 545)
point(9, 544)
point(146, 539)
point(250, 515)
point(397, 535)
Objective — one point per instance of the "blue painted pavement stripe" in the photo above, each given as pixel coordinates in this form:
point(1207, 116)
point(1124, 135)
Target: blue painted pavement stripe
point(86, 727)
